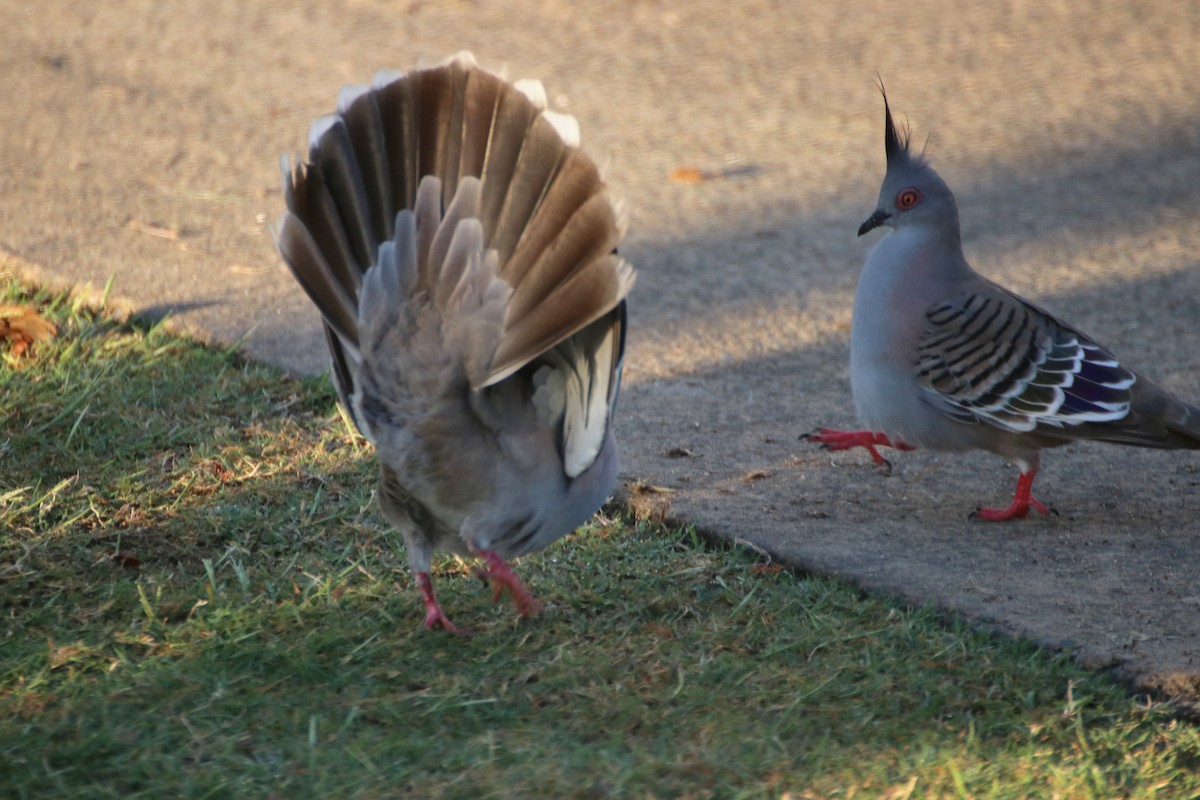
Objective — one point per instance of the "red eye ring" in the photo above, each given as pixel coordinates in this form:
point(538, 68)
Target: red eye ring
point(908, 198)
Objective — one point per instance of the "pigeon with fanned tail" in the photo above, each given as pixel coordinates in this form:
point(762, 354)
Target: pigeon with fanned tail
point(461, 249)
point(941, 357)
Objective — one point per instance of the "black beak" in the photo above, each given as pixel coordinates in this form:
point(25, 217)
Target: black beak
point(873, 222)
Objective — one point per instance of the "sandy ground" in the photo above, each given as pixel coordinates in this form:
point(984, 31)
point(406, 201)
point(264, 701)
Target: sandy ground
point(140, 141)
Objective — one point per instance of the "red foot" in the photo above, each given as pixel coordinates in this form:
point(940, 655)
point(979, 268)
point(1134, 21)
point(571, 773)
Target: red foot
point(1023, 500)
point(502, 577)
point(434, 616)
point(831, 439)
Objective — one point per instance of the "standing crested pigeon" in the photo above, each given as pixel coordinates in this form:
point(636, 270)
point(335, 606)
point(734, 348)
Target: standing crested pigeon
point(461, 249)
point(941, 357)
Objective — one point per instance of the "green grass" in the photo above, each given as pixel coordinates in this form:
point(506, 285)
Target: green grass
point(197, 599)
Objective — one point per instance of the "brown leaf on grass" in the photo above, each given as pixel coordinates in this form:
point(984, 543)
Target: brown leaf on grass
point(219, 471)
point(648, 502)
point(22, 327)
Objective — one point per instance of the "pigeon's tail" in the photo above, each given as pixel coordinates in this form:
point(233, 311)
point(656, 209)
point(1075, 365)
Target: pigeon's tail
point(1156, 418)
point(1183, 421)
point(1167, 420)
point(480, 153)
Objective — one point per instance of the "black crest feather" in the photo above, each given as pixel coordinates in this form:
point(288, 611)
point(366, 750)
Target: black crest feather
point(895, 141)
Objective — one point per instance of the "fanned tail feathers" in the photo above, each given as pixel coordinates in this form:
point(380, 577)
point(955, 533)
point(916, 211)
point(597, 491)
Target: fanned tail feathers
point(478, 195)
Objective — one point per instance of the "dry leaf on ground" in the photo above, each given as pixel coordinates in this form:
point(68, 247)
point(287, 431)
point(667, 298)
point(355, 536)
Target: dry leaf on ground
point(22, 327)
point(648, 502)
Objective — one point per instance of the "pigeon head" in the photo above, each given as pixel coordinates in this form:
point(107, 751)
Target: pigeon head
point(912, 193)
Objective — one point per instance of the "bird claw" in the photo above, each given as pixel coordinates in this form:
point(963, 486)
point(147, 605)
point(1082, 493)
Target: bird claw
point(1018, 510)
point(1022, 501)
point(434, 616)
point(833, 440)
point(502, 578)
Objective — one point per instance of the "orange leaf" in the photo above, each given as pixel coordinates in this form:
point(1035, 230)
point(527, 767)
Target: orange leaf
point(688, 175)
point(22, 327)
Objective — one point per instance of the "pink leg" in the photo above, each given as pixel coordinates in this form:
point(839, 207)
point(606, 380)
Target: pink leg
point(502, 577)
point(831, 439)
point(434, 616)
point(1023, 500)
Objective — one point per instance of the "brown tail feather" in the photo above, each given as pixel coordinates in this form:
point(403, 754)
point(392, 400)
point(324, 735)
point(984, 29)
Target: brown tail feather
point(540, 156)
point(366, 133)
point(541, 203)
point(559, 315)
point(397, 114)
point(440, 98)
point(576, 182)
point(479, 109)
point(345, 183)
point(589, 235)
point(316, 276)
point(514, 115)
point(452, 138)
point(313, 206)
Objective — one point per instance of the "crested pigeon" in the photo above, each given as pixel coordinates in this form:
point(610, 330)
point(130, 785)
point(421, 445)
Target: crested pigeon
point(941, 357)
point(461, 250)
